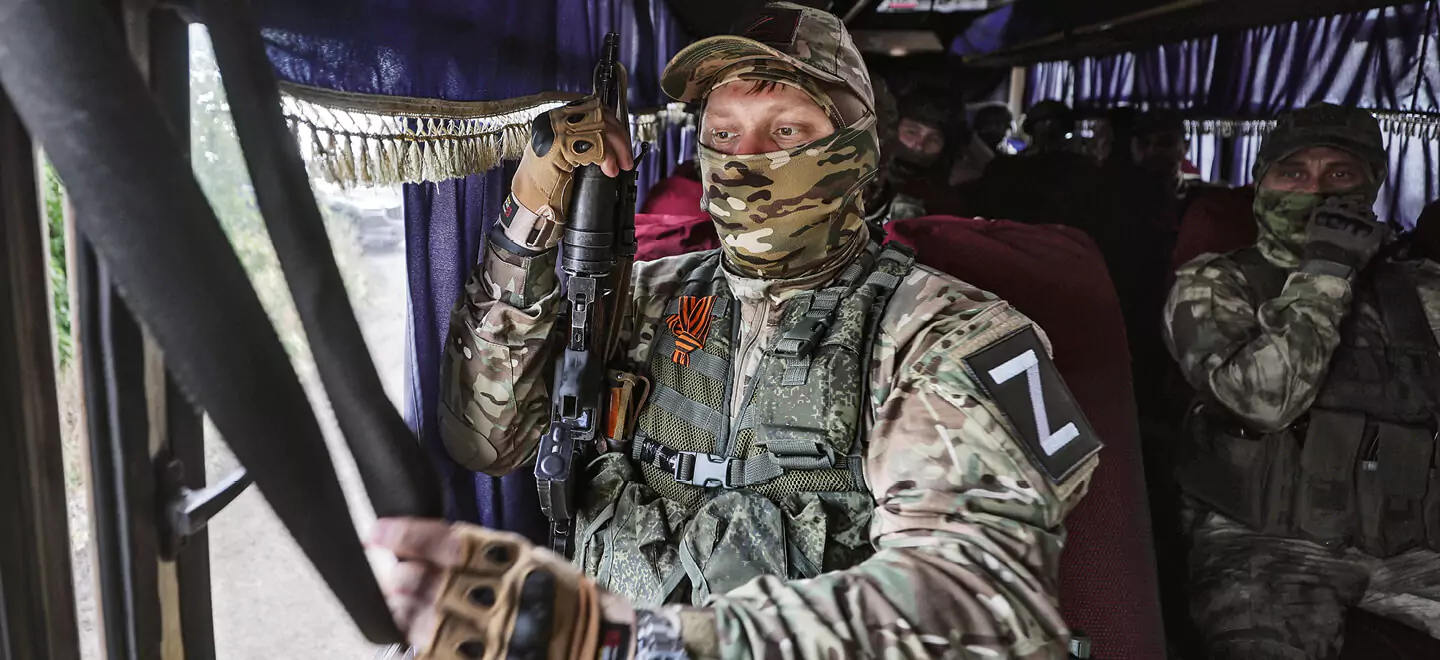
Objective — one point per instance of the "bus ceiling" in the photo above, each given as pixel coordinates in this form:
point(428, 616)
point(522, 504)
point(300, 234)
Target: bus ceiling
point(1010, 38)
point(1007, 33)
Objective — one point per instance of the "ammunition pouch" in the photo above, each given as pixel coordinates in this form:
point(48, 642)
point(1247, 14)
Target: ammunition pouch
point(1336, 479)
point(1239, 472)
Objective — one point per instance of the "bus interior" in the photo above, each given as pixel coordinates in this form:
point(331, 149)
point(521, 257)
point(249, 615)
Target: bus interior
point(234, 229)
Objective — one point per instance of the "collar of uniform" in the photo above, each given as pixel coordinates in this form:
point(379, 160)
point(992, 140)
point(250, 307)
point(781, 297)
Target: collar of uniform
point(751, 289)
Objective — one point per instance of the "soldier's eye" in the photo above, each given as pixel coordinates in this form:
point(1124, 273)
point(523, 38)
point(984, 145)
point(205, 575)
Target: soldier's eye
point(786, 131)
point(721, 135)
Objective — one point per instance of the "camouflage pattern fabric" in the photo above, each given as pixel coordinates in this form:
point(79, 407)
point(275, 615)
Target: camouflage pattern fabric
point(1263, 360)
point(1259, 597)
point(967, 531)
point(812, 40)
point(789, 212)
point(777, 71)
point(1284, 219)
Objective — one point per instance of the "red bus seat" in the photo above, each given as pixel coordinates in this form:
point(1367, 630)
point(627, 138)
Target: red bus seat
point(1056, 276)
point(1219, 220)
point(677, 194)
point(669, 235)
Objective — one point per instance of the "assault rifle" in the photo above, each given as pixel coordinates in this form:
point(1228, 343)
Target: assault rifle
point(597, 251)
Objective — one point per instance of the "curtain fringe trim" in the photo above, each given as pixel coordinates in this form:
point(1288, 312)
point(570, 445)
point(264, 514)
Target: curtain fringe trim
point(373, 140)
point(1403, 124)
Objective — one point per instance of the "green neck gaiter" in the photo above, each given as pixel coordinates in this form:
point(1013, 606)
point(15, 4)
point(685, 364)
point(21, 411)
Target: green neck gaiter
point(1283, 217)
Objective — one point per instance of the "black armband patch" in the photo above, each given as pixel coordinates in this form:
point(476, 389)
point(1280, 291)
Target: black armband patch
point(1022, 381)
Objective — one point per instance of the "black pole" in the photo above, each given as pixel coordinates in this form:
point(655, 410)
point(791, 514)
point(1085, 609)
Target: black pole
point(397, 475)
point(185, 430)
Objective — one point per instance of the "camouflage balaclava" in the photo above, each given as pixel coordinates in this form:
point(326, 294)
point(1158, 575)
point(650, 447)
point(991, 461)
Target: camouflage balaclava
point(1284, 216)
point(786, 213)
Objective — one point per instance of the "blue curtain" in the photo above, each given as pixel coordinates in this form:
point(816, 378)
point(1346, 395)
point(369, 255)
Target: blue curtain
point(1243, 150)
point(1177, 75)
point(1106, 83)
point(1386, 59)
point(1205, 154)
point(468, 50)
point(444, 223)
point(1049, 80)
point(1381, 59)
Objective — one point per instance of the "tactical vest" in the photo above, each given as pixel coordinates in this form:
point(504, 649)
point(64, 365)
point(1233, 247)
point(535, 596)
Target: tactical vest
point(696, 501)
point(1360, 467)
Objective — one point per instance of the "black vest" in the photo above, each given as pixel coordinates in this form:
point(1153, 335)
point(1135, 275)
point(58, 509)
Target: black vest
point(1360, 467)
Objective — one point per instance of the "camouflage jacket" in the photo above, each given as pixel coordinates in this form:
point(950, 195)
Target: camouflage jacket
point(968, 531)
point(1265, 362)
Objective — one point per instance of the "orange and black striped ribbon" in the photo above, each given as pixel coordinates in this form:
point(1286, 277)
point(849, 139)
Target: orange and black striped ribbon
point(691, 326)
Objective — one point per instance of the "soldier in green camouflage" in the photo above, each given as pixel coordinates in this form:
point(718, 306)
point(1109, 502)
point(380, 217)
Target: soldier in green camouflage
point(1312, 445)
point(815, 473)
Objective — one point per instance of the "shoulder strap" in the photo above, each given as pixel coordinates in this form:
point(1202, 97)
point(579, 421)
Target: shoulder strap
point(1266, 280)
point(1407, 323)
point(895, 263)
point(795, 343)
point(1399, 303)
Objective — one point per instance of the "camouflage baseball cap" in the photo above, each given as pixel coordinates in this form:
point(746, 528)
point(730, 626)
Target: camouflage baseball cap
point(811, 40)
point(1325, 125)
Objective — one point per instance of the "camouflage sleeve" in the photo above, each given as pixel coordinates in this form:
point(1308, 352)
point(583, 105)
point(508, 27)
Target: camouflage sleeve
point(1263, 364)
point(494, 397)
point(968, 534)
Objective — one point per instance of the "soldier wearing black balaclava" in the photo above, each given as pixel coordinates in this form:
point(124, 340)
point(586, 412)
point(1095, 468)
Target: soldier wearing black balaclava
point(923, 151)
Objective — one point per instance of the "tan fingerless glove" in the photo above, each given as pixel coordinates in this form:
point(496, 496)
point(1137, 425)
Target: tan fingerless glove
point(509, 596)
point(567, 137)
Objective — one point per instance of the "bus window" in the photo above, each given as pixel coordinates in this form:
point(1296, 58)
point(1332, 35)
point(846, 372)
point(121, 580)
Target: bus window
point(268, 601)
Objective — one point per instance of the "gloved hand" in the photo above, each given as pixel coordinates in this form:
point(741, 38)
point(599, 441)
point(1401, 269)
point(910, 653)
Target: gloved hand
point(578, 133)
point(463, 592)
point(1343, 231)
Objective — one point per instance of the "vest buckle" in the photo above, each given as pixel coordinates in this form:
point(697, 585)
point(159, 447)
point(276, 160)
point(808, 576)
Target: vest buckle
point(705, 470)
point(800, 339)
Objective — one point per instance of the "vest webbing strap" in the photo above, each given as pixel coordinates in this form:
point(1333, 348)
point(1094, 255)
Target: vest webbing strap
point(693, 412)
point(709, 470)
point(707, 364)
point(796, 343)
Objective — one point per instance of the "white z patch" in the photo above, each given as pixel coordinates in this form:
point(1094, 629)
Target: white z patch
point(1029, 364)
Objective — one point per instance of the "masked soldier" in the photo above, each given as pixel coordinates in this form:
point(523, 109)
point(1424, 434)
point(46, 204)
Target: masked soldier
point(1313, 438)
point(814, 473)
point(915, 172)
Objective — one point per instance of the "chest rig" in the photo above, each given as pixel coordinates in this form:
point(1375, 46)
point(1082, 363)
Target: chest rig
point(779, 492)
point(1360, 467)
